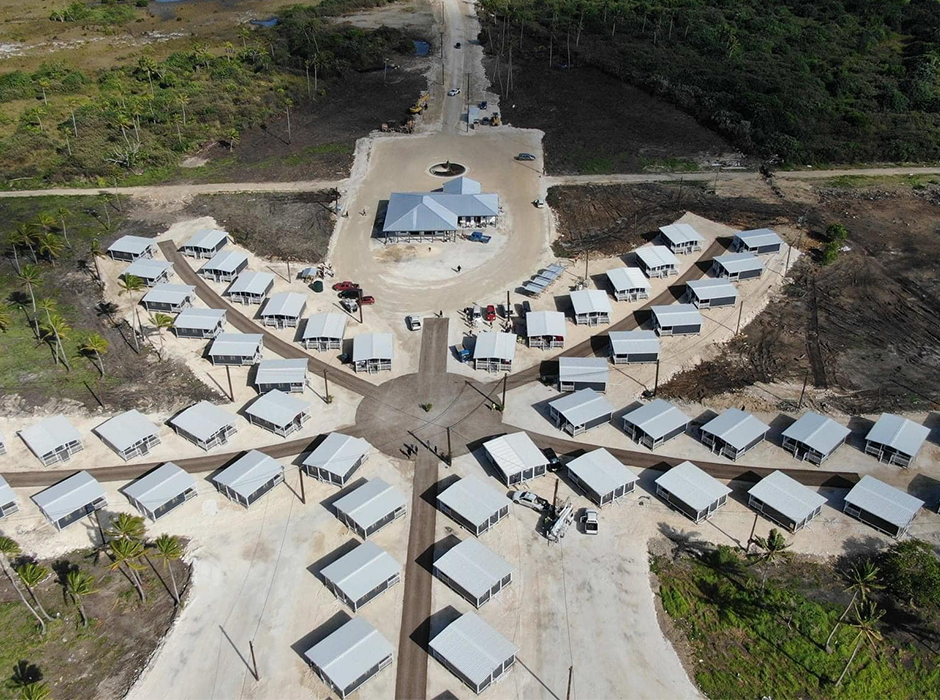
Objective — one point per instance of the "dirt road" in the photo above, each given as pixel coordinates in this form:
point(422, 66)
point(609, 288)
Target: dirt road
point(184, 192)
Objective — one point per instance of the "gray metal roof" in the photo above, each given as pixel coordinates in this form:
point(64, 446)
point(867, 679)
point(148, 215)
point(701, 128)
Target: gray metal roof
point(587, 301)
point(169, 293)
point(624, 278)
point(349, 652)
point(337, 453)
point(291, 371)
point(691, 485)
point(759, 237)
point(820, 433)
point(362, 570)
point(680, 233)
point(69, 495)
point(583, 369)
point(249, 472)
point(462, 185)
point(147, 268)
point(225, 261)
point(900, 434)
point(473, 500)
point(251, 282)
point(371, 502)
point(202, 420)
point(133, 245)
point(740, 262)
point(199, 319)
point(438, 211)
point(472, 647)
point(473, 566)
point(582, 406)
point(495, 346)
point(126, 429)
point(634, 342)
point(657, 418)
point(515, 453)
point(372, 346)
point(289, 304)
point(160, 486)
point(601, 471)
point(206, 239)
point(656, 256)
point(787, 496)
point(49, 434)
point(539, 323)
point(277, 407)
point(736, 427)
point(328, 325)
point(6, 493)
point(883, 501)
point(235, 344)
point(677, 315)
point(711, 288)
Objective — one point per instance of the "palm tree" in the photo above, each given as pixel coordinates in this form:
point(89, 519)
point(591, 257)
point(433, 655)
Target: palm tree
point(49, 306)
point(232, 136)
point(31, 275)
point(50, 245)
point(774, 548)
point(861, 580)
point(63, 213)
point(95, 345)
point(34, 691)
point(127, 527)
point(131, 284)
point(183, 100)
point(161, 321)
point(27, 234)
point(6, 317)
point(78, 584)
point(46, 221)
point(128, 553)
point(57, 327)
point(169, 550)
point(32, 574)
point(9, 548)
point(866, 620)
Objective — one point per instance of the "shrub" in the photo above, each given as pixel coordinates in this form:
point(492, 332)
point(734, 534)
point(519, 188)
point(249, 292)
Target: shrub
point(911, 571)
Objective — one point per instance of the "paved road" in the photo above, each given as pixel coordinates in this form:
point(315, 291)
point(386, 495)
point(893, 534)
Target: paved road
point(412, 680)
point(271, 341)
point(597, 343)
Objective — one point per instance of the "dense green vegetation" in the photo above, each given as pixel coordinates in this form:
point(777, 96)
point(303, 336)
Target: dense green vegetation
point(105, 13)
point(808, 81)
point(759, 628)
point(60, 124)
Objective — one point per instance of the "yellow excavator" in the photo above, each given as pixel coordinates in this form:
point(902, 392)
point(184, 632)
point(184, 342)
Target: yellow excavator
point(420, 105)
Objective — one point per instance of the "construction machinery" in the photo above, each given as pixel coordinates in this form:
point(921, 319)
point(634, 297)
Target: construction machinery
point(494, 120)
point(421, 104)
point(559, 524)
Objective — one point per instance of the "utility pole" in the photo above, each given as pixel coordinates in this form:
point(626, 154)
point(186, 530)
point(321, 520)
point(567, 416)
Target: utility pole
point(100, 529)
point(468, 102)
point(740, 312)
point(570, 676)
point(587, 256)
point(505, 379)
point(786, 268)
point(228, 373)
point(656, 381)
point(450, 453)
point(303, 494)
point(359, 299)
point(254, 663)
point(803, 390)
point(326, 385)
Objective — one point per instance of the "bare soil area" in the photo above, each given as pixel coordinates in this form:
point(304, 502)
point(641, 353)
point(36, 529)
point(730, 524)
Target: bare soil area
point(102, 660)
point(595, 123)
point(862, 330)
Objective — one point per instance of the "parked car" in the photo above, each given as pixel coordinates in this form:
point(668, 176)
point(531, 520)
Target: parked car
point(529, 500)
point(554, 461)
point(589, 521)
point(351, 305)
point(483, 104)
point(539, 203)
point(525, 156)
point(526, 307)
point(490, 314)
point(349, 294)
point(475, 314)
point(457, 45)
point(365, 301)
point(414, 322)
point(344, 285)
point(453, 92)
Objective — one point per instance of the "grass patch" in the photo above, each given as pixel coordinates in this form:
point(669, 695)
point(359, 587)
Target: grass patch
point(756, 640)
point(860, 181)
point(669, 165)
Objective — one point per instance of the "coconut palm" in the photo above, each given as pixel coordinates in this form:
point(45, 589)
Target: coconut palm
point(867, 617)
point(127, 527)
point(6, 318)
point(50, 246)
point(128, 553)
point(78, 585)
point(773, 548)
point(131, 284)
point(161, 322)
point(32, 574)
point(861, 580)
point(63, 215)
point(169, 550)
point(27, 236)
point(49, 306)
point(31, 275)
point(95, 345)
point(57, 327)
point(9, 548)
point(34, 691)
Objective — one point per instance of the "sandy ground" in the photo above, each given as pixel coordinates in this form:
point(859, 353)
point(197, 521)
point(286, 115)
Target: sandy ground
point(565, 599)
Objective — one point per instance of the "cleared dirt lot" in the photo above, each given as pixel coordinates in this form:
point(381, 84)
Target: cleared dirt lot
point(863, 329)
